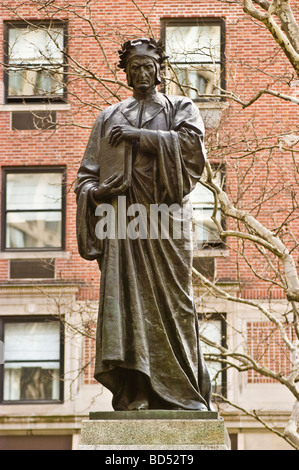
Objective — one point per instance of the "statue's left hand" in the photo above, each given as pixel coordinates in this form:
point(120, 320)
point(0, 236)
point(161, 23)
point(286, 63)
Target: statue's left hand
point(124, 131)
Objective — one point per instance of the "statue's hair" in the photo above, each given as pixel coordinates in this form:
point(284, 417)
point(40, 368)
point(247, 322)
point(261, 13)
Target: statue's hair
point(155, 48)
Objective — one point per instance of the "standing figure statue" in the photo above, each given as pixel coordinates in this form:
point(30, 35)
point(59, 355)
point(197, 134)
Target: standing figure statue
point(147, 342)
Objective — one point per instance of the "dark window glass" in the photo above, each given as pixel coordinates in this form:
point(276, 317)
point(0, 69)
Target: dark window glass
point(32, 269)
point(205, 265)
point(37, 120)
point(36, 442)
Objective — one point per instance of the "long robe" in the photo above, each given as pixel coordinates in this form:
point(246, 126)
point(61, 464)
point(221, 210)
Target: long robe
point(147, 320)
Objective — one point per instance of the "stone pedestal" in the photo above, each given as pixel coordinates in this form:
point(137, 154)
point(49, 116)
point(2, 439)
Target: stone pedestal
point(154, 430)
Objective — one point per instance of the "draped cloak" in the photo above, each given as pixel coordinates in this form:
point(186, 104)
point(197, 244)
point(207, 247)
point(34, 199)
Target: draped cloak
point(147, 320)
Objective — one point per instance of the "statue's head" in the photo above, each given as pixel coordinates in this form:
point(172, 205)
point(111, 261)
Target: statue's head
point(142, 48)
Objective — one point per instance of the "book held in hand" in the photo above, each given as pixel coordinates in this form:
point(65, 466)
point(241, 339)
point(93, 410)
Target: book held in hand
point(115, 160)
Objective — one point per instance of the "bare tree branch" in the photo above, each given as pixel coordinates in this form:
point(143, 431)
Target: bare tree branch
point(289, 46)
point(256, 416)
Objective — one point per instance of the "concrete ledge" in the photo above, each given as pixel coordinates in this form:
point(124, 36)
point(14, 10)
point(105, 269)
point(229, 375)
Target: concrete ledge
point(154, 447)
point(154, 430)
point(35, 107)
point(153, 414)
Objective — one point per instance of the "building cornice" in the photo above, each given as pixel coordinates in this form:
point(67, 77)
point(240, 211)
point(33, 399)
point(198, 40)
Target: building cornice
point(38, 289)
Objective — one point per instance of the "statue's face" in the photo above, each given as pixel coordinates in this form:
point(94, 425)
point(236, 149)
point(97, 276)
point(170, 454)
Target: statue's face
point(142, 73)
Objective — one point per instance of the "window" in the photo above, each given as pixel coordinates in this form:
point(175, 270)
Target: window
point(29, 120)
point(35, 62)
point(213, 327)
point(36, 442)
point(34, 209)
point(33, 360)
point(204, 228)
point(32, 269)
point(196, 56)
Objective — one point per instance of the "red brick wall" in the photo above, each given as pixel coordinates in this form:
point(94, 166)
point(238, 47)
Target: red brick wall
point(266, 346)
point(248, 47)
point(89, 355)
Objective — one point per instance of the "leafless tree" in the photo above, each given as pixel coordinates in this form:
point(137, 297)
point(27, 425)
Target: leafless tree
point(260, 232)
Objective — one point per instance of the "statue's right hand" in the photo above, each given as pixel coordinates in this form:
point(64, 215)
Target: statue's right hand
point(112, 186)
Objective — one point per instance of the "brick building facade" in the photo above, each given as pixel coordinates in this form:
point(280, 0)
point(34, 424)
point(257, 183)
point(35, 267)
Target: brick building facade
point(43, 138)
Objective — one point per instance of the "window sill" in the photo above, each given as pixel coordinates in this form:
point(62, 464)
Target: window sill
point(35, 255)
point(30, 403)
point(210, 253)
point(212, 104)
point(36, 107)
point(211, 112)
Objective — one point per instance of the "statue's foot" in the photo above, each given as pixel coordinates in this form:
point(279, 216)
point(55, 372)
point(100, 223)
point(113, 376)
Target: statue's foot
point(138, 405)
point(200, 407)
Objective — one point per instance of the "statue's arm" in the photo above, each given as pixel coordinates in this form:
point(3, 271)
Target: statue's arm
point(88, 173)
point(180, 151)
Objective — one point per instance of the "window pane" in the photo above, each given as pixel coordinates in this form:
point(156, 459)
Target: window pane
point(201, 195)
point(195, 55)
point(35, 61)
point(194, 80)
point(35, 45)
point(203, 206)
point(33, 230)
point(212, 330)
point(193, 43)
point(31, 341)
point(33, 191)
point(205, 228)
point(31, 383)
point(34, 82)
point(32, 361)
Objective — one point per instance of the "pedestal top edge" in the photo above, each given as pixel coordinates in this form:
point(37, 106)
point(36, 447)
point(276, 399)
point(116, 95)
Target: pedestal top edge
point(153, 414)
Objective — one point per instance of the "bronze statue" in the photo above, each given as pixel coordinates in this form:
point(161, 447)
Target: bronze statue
point(147, 348)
